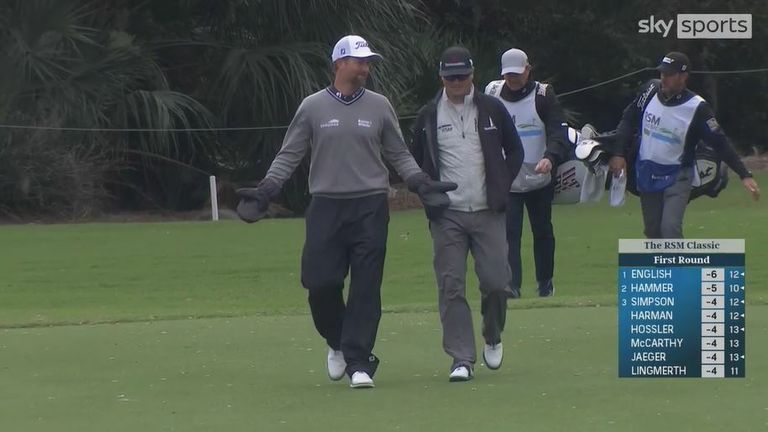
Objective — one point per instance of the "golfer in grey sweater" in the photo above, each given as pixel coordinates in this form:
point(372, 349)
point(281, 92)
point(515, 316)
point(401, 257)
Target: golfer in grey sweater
point(348, 129)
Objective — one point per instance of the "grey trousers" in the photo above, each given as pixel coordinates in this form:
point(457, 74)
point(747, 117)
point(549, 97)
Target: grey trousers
point(454, 235)
point(663, 211)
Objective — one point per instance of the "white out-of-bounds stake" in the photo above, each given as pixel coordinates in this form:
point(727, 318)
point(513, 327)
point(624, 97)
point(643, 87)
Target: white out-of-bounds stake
point(214, 200)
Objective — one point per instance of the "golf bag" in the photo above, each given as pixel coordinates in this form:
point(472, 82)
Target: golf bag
point(711, 174)
point(710, 171)
point(582, 177)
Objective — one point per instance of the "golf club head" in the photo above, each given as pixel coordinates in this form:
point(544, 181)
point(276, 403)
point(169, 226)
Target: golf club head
point(588, 131)
point(574, 136)
point(588, 150)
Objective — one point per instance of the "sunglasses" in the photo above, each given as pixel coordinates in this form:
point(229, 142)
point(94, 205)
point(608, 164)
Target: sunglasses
point(456, 77)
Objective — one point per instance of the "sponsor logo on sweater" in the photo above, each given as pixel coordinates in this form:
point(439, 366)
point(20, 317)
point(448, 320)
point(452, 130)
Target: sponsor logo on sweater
point(330, 123)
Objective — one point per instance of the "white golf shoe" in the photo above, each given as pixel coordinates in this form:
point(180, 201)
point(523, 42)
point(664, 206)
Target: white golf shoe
point(336, 364)
point(493, 355)
point(460, 373)
point(361, 379)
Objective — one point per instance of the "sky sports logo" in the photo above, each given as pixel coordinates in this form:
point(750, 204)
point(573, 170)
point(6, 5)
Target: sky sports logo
point(700, 26)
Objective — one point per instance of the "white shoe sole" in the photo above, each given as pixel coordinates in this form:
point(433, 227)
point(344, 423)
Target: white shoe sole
point(364, 381)
point(459, 379)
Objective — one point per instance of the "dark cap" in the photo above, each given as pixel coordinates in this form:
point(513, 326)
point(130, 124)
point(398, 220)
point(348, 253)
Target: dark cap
point(674, 62)
point(456, 61)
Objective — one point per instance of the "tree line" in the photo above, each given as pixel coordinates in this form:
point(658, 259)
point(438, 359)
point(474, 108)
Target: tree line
point(81, 74)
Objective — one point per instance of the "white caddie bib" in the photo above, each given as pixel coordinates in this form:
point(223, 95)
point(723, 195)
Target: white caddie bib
point(662, 143)
point(531, 130)
point(664, 129)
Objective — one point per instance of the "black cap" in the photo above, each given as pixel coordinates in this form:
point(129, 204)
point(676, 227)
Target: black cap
point(456, 61)
point(674, 62)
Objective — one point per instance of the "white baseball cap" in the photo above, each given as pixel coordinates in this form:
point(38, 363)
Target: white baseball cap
point(353, 46)
point(513, 61)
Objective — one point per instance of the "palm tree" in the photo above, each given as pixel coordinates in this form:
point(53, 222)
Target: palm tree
point(56, 70)
point(128, 63)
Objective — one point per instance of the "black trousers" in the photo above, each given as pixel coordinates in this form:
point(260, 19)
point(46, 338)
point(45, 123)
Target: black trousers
point(539, 205)
point(346, 236)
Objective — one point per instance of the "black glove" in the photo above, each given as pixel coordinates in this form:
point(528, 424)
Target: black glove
point(254, 202)
point(432, 193)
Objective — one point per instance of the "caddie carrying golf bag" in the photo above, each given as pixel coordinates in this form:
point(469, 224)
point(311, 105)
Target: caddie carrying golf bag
point(711, 175)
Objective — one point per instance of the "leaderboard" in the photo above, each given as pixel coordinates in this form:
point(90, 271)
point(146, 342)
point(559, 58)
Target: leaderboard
point(681, 308)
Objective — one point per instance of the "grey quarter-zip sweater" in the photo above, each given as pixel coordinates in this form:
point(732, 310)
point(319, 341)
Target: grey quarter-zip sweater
point(349, 140)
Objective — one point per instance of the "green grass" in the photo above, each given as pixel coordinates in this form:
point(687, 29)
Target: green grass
point(206, 328)
point(126, 272)
point(267, 373)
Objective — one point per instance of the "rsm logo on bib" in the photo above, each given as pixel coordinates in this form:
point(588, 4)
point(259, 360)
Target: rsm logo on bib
point(652, 120)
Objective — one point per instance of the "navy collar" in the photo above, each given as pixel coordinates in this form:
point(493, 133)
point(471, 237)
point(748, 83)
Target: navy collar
point(346, 100)
point(678, 99)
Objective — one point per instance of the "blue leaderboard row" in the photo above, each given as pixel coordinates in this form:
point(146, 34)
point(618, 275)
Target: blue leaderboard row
point(681, 308)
